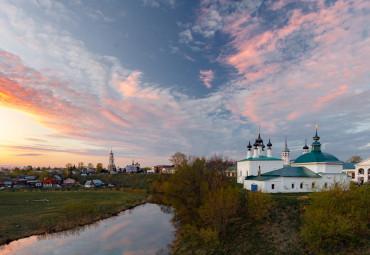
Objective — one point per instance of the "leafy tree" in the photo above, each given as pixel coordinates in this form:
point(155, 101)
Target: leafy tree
point(337, 219)
point(219, 207)
point(178, 159)
point(259, 204)
point(90, 165)
point(355, 159)
point(99, 167)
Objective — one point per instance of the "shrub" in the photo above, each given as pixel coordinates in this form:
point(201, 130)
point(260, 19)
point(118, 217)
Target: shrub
point(259, 205)
point(337, 218)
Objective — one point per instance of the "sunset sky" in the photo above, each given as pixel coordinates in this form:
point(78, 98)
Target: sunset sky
point(152, 77)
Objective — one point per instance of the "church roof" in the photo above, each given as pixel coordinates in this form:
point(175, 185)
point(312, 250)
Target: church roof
point(286, 172)
point(260, 158)
point(349, 165)
point(316, 156)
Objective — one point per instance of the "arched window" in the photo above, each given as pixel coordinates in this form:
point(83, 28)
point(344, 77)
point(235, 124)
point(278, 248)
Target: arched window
point(368, 171)
point(361, 171)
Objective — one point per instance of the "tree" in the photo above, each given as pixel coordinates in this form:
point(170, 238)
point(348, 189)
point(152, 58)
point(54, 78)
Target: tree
point(178, 159)
point(81, 165)
point(219, 207)
point(355, 159)
point(99, 167)
point(90, 165)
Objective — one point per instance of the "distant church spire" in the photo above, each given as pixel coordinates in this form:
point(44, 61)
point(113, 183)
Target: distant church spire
point(285, 154)
point(111, 165)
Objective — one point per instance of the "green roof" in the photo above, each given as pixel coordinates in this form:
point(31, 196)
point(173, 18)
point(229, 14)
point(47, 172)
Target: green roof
point(349, 165)
point(293, 171)
point(260, 158)
point(316, 156)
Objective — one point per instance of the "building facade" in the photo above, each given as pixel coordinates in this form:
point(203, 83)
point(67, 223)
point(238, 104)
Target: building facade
point(310, 172)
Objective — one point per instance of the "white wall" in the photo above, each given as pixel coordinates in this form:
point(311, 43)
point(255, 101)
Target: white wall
point(284, 184)
point(323, 167)
point(248, 168)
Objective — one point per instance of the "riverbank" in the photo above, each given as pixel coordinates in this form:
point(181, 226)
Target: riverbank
point(278, 233)
point(23, 214)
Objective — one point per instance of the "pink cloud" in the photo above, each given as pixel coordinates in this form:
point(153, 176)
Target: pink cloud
point(273, 86)
point(207, 77)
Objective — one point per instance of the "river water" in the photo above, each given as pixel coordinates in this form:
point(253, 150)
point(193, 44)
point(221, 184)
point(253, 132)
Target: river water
point(146, 229)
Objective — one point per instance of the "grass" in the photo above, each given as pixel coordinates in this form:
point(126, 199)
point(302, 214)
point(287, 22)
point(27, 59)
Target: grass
point(21, 216)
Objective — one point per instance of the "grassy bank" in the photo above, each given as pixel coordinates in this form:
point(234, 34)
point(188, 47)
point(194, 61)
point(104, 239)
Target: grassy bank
point(28, 213)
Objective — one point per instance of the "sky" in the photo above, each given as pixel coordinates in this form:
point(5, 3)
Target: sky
point(148, 78)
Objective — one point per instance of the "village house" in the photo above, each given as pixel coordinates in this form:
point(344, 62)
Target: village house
point(69, 182)
point(47, 182)
point(94, 184)
point(159, 168)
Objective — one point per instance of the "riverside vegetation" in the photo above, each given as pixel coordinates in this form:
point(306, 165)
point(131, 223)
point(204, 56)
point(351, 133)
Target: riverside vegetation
point(214, 215)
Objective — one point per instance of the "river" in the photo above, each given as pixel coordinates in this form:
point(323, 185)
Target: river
point(146, 229)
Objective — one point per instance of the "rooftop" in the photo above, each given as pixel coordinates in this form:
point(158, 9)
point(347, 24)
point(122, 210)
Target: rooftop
point(260, 158)
point(286, 172)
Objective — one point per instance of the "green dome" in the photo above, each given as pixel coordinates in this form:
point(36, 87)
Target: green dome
point(315, 156)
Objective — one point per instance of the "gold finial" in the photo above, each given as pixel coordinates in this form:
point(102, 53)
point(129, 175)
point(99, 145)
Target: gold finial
point(316, 127)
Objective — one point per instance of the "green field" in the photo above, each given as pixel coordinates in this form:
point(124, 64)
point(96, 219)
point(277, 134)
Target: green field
point(21, 215)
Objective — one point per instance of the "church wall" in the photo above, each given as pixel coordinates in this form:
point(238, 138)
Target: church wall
point(322, 167)
point(248, 168)
point(284, 184)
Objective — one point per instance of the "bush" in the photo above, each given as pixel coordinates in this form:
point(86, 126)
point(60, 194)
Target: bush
point(337, 218)
point(259, 205)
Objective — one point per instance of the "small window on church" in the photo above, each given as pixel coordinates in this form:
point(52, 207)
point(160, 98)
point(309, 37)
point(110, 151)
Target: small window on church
point(240, 173)
point(326, 185)
point(301, 185)
point(292, 185)
point(272, 186)
point(313, 185)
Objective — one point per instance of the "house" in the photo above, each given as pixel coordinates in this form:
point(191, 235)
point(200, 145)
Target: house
point(362, 171)
point(35, 183)
point(310, 172)
point(47, 182)
point(349, 169)
point(168, 170)
point(56, 179)
point(159, 168)
point(69, 182)
point(94, 184)
point(89, 184)
point(131, 169)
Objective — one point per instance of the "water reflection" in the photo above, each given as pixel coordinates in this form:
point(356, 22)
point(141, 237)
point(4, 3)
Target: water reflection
point(146, 229)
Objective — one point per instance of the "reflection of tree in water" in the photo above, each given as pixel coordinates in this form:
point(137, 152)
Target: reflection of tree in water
point(166, 209)
point(70, 232)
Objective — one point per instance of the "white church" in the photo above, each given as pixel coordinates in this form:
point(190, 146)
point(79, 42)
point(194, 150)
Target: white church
point(310, 172)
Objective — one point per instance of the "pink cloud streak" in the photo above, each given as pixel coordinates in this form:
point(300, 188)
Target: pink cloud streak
point(207, 76)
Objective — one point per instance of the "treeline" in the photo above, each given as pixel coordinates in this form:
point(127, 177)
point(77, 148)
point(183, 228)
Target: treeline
point(206, 201)
point(218, 216)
